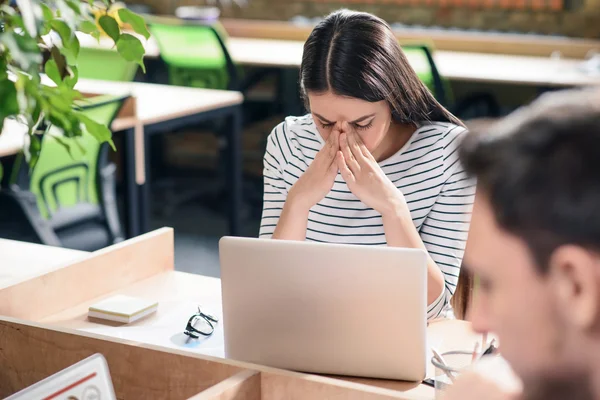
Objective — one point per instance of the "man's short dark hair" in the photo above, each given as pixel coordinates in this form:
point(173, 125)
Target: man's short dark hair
point(540, 170)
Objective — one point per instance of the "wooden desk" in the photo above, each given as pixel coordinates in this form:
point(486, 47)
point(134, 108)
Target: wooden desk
point(163, 108)
point(20, 261)
point(457, 66)
point(180, 293)
point(454, 65)
point(144, 267)
point(159, 109)
point(441, 39)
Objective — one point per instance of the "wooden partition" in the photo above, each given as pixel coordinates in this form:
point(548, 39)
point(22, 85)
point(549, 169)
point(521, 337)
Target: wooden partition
point(31, 352)
point(102, 272)
point(44, 328)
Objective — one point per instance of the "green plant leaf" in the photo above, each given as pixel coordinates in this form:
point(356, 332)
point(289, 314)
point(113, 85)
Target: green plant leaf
point(70, 43)
point(67, 14)
point(23, 50)
point(17, 21)
point(74, 47)
point(52, 71)
point(35, 148)
point(60, 140)
point(59, 120)
point(75, 6)
point(59, 59)
point(47, 12)
point(3, 70)
point(131, 49)
point(137, 23)
point(110, 27)
point(63, 30)
point(1, 169)
point(10, 104)
point(82, 149)
point(90, 28)
point(60, 104)
point(73, 77)
point(37, 112)
point(99, 131)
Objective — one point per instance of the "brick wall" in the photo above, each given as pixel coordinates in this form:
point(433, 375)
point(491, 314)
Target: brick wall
point(580, 19)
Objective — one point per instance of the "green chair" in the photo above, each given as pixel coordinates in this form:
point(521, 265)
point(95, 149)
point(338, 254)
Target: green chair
point(474, 105)
point(103, 64)
point(68, 200)
point(196, 55)
point(421, 57)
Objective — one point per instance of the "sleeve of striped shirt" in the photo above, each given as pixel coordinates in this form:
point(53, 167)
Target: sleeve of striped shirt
point(445, 231)
point(275, 188)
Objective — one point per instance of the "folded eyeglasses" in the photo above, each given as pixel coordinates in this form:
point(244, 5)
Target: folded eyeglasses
point(200, 324)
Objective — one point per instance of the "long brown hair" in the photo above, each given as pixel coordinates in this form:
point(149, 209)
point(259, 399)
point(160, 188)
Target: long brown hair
point(356, 54)
point(463, 295)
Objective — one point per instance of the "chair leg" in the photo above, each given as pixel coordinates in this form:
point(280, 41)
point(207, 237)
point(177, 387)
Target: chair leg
point(109, 203)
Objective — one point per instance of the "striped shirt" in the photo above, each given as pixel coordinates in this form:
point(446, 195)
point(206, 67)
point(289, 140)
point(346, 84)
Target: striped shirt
point(426, 170)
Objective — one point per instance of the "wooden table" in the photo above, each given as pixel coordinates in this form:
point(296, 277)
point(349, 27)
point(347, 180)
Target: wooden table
point(441, 39)
point(160, 108)
point(457, 66)
point(454, 65)
point(285, 56)
point(20, 261)
point(144, 267)
point(163, 108)
point(180, 293)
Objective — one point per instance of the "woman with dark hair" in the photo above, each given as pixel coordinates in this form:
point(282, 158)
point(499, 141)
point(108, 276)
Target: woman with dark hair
point(375, 161)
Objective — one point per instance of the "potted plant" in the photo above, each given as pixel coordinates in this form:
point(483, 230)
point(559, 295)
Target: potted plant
point(26, 52)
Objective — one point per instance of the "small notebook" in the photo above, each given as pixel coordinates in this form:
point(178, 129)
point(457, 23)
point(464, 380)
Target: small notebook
point(122, 308)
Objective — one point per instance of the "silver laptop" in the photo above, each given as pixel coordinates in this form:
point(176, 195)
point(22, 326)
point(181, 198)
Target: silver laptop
point(325, 308)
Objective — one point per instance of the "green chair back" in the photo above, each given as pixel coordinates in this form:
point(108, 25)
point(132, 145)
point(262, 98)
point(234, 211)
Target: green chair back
point(104, 64)
point(420, 57)
point(64, 178)
point(195, 54)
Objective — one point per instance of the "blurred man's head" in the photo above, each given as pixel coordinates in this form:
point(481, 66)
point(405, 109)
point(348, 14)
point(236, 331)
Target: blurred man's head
point(534, 243)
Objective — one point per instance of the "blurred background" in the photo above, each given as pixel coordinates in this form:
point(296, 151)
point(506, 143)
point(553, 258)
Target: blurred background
point(481, 58)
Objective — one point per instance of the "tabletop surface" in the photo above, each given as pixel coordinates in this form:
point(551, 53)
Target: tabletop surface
point(20, 260)
point(459, 66)
point(179, 294)
point(157, 103)
point(154, 104)
point(453, 65)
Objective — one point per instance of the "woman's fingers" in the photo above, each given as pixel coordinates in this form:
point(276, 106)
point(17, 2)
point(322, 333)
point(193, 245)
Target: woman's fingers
point(343, 167)
point(354, 142)
point(334, 144)
point(349, 157)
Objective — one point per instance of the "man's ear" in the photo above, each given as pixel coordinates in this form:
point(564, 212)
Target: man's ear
point(575, 275)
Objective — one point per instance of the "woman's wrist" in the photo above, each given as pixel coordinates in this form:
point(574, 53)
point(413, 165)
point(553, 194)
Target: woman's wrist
point(395, 209)
point(297, 203)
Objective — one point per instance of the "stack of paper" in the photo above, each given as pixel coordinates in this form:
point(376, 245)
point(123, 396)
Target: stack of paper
point(122, 308)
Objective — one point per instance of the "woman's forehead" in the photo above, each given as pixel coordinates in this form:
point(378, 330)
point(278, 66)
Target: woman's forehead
point(331, 107)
